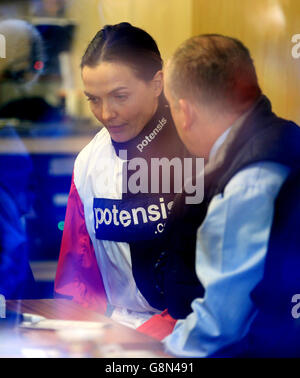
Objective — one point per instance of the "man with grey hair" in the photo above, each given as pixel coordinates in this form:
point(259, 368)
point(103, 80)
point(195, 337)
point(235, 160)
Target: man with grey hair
point(221, 115)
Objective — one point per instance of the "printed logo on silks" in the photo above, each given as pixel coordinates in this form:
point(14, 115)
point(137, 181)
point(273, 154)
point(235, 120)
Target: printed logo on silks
point(133, 219)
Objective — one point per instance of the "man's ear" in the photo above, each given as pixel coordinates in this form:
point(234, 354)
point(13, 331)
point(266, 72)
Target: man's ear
point(158, 82)
point(187, 113)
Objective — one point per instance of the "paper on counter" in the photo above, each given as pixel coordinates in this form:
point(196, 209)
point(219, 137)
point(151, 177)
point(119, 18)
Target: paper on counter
point(58, 324)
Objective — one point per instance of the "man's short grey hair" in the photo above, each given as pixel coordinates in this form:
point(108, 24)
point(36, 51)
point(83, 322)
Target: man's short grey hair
point(211, 69)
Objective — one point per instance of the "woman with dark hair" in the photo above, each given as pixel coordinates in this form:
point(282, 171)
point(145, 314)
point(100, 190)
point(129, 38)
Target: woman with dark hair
point(117, 207)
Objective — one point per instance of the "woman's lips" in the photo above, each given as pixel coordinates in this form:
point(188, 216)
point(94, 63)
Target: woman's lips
point(116, 128)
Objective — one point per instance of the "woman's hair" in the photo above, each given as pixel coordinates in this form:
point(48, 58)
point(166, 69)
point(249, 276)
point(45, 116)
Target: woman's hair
point(127, 44)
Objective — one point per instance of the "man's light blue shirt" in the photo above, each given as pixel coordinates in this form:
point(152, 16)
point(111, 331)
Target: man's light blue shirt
point(230, 256)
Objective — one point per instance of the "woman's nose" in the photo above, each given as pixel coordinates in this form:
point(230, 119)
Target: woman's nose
point(108, 112)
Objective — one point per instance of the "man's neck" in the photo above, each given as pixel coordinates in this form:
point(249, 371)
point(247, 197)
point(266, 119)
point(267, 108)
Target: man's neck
point(238, 120)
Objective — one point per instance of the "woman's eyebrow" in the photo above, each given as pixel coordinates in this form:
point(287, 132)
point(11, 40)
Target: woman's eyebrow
point(89, 94)
point(117, 89)
point(110, 93)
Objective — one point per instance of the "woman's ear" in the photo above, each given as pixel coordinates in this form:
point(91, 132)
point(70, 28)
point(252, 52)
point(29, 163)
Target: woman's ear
point(158, 82)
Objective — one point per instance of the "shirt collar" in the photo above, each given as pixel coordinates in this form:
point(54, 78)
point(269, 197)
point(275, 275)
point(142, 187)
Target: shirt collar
point(218, 143)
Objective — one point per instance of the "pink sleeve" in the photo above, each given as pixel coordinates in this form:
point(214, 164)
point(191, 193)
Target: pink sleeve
point(78, 275)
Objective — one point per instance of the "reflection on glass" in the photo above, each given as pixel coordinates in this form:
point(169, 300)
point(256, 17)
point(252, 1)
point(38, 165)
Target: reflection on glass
point(24, 48)
point(39, 140)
